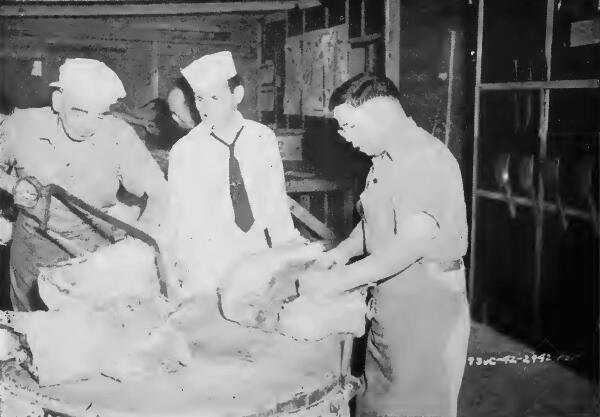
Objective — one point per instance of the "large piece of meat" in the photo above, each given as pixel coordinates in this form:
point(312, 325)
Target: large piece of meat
point(113, 346)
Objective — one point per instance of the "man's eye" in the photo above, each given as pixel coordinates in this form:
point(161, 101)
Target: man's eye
point(199, 99)
point(215, 98)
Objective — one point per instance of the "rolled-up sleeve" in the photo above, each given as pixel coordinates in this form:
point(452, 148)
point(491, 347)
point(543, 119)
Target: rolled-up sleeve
point(139, 173)
point(434, 195)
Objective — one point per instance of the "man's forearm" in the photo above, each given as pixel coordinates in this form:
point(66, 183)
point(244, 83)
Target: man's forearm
point(380, 265)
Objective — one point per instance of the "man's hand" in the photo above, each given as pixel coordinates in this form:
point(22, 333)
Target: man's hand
point(5, 231)
point(26, 193)
point(332, 258)
point(316, 283)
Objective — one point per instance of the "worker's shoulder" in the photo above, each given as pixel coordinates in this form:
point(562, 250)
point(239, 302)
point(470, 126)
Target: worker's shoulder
point(435, 155)
point(33, 116)
point(426, 159)
point(261, 131)
point(28, 123)
point(189, 140)
point(122, 133)
point(120, 127)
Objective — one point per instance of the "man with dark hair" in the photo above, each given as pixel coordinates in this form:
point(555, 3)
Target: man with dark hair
point(227, 188)
point(182, 105)
point(414, 221)
point(361, 88)
point(162, 122)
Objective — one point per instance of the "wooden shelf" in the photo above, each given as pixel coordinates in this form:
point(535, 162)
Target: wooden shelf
point(147, 8)
point(365, 38)
point(301, 184)
point(495, 195)
point(540, 85)
point(527, 202)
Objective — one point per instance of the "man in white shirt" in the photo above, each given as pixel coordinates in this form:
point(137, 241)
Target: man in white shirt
point(226, 182)
point(78, 145)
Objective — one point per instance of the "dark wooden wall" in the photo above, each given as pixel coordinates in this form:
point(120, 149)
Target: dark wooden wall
point(146, 52)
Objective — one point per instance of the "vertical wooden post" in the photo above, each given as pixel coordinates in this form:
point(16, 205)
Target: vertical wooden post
point(549, 36)
point(362, 18)
point(154, 75)
point(326, 207)
point(392, 40)
point(260, 40)
point(450, 86)
point(347, 14)
point(303, 31)
point(598, 254)
point(287, 35)
point(349, 209)
point(259, 53)
point(472, 287)
point(371, 57)
point(543, 137)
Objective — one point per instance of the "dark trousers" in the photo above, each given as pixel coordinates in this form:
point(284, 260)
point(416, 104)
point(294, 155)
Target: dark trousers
point(5, 303)
point(359, 350)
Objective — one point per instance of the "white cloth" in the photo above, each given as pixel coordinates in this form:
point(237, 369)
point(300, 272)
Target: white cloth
point(203, 238)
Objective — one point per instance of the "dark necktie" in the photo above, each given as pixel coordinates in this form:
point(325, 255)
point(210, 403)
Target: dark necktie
point(239, 197)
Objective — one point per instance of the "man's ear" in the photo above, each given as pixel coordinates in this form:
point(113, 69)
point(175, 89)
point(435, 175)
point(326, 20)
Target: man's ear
point(57, 97)
point(238, 94)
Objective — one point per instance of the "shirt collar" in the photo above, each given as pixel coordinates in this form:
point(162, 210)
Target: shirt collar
point(237, 123)
point(391, 154)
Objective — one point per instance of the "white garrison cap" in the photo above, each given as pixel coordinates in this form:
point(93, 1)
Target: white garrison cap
point(210, 69)
point(92, 77)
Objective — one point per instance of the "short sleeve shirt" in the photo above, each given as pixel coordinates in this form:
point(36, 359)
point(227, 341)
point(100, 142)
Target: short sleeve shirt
point(423, 178)
point(34, 143)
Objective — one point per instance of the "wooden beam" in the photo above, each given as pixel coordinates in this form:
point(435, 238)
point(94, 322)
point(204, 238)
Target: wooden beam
point(365, 38)
point(21, 9)
point(310, 221)
point(543, 140)
point(392, 40)
point(275, 17)
point(476, 123)
point(311, 185)
point(362, 18)
point(450, 86)
point(528, 202)
point(541, 85)
point(348, 211)
point(550, 6)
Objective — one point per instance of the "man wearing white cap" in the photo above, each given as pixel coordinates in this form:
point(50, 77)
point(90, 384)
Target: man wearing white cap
point(227, 188)
point(79, 146)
